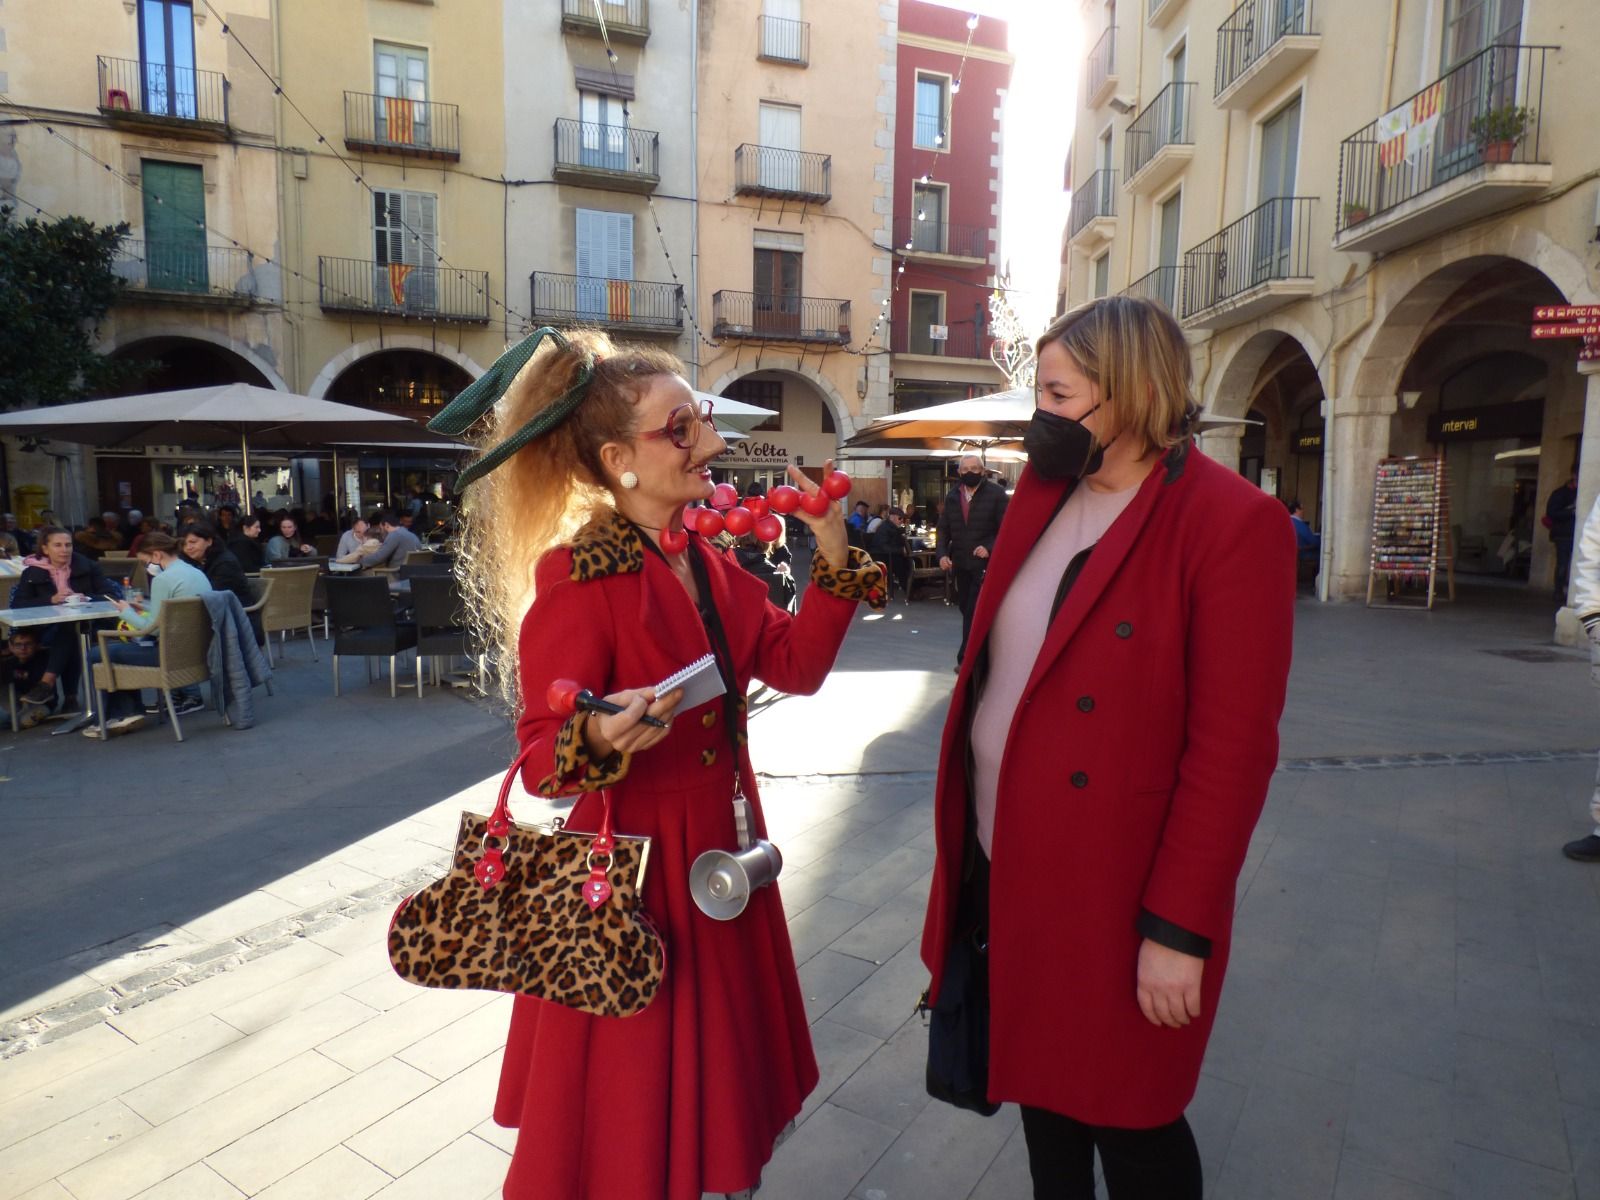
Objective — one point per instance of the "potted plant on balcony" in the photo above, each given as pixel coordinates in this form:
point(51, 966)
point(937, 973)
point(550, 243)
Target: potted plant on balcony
point(1355, 212)
point(1499, 130)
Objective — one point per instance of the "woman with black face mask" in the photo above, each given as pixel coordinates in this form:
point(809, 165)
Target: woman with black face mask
point(1107, 755)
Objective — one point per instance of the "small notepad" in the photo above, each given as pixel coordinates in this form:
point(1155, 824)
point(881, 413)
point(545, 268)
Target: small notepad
point(700, 681)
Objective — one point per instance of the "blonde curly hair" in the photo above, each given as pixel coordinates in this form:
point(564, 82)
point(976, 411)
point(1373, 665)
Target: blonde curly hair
point(541, 496)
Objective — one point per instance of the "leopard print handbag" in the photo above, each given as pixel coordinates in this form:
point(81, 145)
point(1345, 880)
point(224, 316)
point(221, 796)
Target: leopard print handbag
point(538, 910)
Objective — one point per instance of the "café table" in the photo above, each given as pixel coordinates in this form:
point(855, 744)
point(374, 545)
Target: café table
point(65, 614)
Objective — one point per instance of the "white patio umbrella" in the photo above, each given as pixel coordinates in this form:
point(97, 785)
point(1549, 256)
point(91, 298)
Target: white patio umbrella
point(210, 418)
point(735, 414)
point(976, 423)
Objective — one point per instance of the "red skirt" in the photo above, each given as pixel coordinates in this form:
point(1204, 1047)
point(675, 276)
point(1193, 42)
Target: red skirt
point(688, 1096)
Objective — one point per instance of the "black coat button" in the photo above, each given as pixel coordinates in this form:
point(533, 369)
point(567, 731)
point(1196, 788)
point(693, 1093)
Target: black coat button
point(1085, 704)
point(1079, 779)
point(1125, 630)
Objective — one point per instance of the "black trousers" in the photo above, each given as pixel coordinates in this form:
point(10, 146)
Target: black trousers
point(967, 585)
point(1139, 1164)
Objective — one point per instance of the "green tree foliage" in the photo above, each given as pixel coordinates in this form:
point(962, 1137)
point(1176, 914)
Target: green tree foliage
point(56, 286)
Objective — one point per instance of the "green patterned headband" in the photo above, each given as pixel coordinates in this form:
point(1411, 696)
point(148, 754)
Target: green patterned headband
point(482, 394)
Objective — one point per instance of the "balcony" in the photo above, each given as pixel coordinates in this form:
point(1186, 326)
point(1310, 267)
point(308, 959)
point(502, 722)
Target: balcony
point(1466, 145)
point(780, 318)
point(1161, 138)
point(617, 157)
point(1101, 72)
point(961, 341)
point(208, 276)
point(394, 125)
point(410, 293)
point(1161, 11)
point(1260, 262)
point(624, 305)
point(786, 174)
point(940, 241)
point(781, 40)
point(626, 21)
point(1260, 46)
point(163, 99)
point(1163, 285)
point(1094, 211)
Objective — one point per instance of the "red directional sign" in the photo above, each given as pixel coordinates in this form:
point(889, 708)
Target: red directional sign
point(1589, 354)
point(1575, 329)
point(1567, 312)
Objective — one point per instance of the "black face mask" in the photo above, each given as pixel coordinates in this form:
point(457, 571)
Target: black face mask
point(1061, 447)
point(971, 479)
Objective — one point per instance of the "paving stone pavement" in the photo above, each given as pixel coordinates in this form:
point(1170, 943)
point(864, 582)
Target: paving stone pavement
point(197, 1003)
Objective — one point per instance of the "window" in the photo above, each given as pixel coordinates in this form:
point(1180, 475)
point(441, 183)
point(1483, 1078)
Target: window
point(928, 224)
point(166, 55)
point(1167, 254)
point(780, 140)
point(764, 393)
point(604, 131)
point(401, 83)
point(782, 34)
point(404, 237)
point(604, 264)
point(1473, 25)
point(931, 127)
point(927, 331)
point(174, 226)
point(1280, 152)
point(777, 290)
point(1102, 275)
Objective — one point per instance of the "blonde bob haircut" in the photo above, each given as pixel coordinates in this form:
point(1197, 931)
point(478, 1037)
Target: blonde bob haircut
point(1135, 353)
point(544, 493)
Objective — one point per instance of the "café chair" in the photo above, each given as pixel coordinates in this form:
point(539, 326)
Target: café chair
point(289, 606)
point(365, 625)
point(441, 621)
point(183, 636)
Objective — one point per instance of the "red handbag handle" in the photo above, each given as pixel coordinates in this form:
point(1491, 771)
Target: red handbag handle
point(491, 869)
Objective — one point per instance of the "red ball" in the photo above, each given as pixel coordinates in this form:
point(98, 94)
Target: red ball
point(815, 503)
point(724, 496)
point(562, 697)
point(708, 522)
point(739, 520)
point(837, 485)
point(757, 505)
point(769, 528)
point(784, 499)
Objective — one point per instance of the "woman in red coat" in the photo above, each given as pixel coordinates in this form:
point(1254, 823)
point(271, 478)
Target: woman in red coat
point(602, 447)
point(1107, 754)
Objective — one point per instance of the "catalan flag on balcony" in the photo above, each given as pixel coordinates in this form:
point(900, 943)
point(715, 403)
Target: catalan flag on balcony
point(397, 281)
point(619, 299)
point(1406, 132)
point(397, 116)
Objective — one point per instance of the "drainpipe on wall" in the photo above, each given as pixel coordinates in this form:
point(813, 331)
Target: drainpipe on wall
point(1330, 466)
point(1389, 52)
point(291, 331)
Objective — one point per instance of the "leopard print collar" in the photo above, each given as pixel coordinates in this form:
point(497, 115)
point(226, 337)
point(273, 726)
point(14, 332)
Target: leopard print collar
point(606, 546)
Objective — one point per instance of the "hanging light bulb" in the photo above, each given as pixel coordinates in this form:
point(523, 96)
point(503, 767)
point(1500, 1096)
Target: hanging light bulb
point(955, 87)
point(926, 179)
point(908, 245)
point(972, 21)
point(938, 139)
point(921, 216)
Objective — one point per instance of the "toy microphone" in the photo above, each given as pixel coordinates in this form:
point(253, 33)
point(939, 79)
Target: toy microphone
point(566, 697)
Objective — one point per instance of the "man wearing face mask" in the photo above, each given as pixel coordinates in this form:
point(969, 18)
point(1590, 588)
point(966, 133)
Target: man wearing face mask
point(967, 530)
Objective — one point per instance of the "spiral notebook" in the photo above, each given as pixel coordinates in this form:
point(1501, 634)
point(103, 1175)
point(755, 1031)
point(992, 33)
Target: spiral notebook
point(700, 681)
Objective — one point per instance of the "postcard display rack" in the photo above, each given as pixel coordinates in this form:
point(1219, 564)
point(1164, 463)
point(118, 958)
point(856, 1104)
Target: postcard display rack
point(1411, 542)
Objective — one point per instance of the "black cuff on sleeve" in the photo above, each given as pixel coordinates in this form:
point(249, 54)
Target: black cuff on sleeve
point(1173, 937)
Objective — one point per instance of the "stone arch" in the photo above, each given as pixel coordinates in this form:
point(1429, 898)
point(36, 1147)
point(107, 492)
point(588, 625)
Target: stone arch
point(125, 336)
point(843, 421)
point(1419, 286)
point(1230, 395)
point(356, 351)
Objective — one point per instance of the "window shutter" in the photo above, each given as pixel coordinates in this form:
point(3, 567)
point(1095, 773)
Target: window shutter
point(420, 234)
point(591, 243)
point(619, 246)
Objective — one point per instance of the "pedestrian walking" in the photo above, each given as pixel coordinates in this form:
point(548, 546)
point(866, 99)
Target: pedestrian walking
point(968, 528)
point(1561, 519)
point(1117, 719)
point(1586, 603)
point(602, 447)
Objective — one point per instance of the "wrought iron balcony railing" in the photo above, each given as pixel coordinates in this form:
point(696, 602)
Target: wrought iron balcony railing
point(1251, 30)
point(402, 290)
point(928, 236)
point(1271, 242)
point(783, 40)
point(1163, 285)
point(610, 155)
point(1487, 110)
point(1165, 121)
point(625, 20)
point(795, 174)
point(131, 89)
point(961, 339)
point(630, 304)
point(1096, 198)
point(1103, 61)
point(780, 317)
point(222, 274)
point(423, 128)
point(928, 131)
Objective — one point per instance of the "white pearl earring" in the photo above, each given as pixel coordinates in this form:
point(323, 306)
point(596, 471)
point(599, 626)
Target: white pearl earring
point(629, 480)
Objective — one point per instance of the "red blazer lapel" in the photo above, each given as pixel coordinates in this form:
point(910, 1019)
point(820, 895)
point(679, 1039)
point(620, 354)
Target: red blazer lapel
point(1098, 573)
point(667, 617)
point(1030, 510)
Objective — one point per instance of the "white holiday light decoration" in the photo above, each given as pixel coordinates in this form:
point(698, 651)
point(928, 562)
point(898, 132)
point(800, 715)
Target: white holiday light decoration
point(1012, 348)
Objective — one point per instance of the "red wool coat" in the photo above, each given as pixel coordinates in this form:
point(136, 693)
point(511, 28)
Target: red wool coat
point(1134, 772)
point(687, 1096)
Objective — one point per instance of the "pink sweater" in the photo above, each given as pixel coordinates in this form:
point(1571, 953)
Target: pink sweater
point(1019, 630)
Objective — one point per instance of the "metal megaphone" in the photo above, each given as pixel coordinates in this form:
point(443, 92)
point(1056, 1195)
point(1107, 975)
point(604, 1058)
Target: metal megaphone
point(722, 883)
